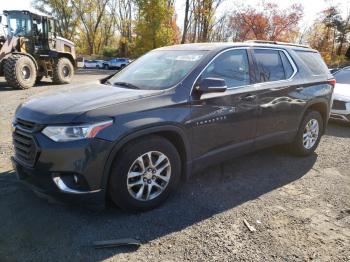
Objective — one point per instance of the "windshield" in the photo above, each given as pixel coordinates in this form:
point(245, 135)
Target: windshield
point(158, 69)
point(343, 76)
point(19, 24)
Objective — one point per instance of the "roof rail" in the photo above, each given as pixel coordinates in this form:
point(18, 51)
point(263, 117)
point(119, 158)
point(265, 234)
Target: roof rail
point(276, 43)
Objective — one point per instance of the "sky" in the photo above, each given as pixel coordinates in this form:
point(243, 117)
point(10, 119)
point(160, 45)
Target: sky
point(311, 7)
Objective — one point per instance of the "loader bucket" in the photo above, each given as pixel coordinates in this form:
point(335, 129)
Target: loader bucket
point(8, 46)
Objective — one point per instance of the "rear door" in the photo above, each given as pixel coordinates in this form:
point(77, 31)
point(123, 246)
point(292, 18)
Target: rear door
point(278, 99)
point(224, 121)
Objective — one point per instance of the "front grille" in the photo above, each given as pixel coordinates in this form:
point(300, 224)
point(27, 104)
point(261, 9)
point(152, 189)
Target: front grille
point(24, 143)
point(339, 105)
point(25, 125)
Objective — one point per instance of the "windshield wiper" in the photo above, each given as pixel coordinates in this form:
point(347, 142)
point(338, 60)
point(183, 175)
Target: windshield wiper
point(128, 85)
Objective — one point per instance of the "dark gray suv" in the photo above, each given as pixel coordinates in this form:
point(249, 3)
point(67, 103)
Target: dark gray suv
point(133, 136)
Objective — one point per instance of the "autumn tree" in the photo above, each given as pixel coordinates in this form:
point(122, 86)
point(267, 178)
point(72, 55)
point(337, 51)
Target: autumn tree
point(266, 23)
point(64, 12)
point(329, 35)
point(155, 25)
point(91, 13)
point(343, 28)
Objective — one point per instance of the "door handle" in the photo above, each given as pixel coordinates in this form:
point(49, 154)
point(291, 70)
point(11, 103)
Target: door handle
point(248, 97)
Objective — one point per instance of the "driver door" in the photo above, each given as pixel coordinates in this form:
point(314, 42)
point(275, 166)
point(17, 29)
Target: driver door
point(225, 123)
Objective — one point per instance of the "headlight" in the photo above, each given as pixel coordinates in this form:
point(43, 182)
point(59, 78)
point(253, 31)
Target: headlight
point(70, 133)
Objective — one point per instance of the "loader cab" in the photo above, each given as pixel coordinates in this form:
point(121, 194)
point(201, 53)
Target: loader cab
point(18, 23)
point(37, 31)
point(44, 33)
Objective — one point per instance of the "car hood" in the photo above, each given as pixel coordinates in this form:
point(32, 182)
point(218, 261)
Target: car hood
point(342, 91)
point(70, 102)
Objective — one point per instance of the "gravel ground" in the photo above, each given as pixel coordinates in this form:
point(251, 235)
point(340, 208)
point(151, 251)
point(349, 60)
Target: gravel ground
point(300, 208)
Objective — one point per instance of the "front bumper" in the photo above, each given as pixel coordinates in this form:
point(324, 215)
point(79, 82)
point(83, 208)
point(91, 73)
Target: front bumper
point(69, 171)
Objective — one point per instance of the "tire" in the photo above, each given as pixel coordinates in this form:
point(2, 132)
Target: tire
point(20, 71)
point(97, 67)
point(63, 71)
point(106, 67)
point(125, 196)
point(299, 146)
point(38, 79)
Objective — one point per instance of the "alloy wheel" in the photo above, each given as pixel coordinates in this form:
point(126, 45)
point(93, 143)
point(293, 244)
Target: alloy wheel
point(148, 176)
point(311, 133)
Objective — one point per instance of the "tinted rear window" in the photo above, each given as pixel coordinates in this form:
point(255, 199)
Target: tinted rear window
point(314, 62)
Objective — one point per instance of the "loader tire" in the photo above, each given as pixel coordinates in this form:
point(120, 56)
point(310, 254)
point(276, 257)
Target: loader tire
point(20, 71)
point(63, 71)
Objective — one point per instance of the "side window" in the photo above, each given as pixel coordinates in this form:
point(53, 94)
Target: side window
point(288, 68)
point(269, 64)
point(232, 66)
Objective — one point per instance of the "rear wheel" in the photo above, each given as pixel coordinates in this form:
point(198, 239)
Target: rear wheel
point(144, 174)
point(20, 71)
point(63, 71)
point(309, 134)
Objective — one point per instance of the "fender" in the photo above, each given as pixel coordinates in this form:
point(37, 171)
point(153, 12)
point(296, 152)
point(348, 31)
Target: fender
point(55, 54)
point(146, 131)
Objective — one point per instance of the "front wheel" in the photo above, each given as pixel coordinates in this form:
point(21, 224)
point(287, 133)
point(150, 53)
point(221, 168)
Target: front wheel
point(309, 134)
point(20, 71)
point(63, 71)
point(144, 174)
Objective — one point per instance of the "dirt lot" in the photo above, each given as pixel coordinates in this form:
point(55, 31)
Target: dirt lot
point(300, 208)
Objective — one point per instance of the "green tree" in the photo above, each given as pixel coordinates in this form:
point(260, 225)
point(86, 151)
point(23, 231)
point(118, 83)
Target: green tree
point(155, 26)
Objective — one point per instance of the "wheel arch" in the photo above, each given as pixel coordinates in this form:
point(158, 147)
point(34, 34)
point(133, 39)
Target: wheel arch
point(69, 57)
point(173, 134)
point(323, 108)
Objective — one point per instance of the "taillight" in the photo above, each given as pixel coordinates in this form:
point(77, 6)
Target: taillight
point(332, 81)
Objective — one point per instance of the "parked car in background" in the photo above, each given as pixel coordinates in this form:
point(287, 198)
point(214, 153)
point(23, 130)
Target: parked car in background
point(341, 98)
point(333, 70)
point(176, 110)
point(93, 64)
point(116, 63)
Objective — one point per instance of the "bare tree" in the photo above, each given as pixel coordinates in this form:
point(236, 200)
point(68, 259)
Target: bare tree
point(186, 22)
point(91, 14)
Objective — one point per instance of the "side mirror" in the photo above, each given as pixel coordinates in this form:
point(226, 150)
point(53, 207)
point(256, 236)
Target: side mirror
point(211, 85)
